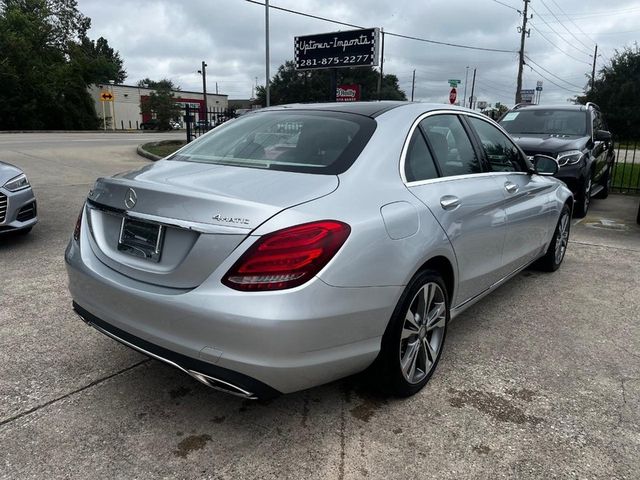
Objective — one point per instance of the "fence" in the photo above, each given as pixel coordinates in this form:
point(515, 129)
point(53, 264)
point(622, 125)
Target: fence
point(626, 170)
point(197, 121)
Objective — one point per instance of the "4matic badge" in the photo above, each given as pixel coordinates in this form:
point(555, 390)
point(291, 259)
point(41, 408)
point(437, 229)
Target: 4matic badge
point(236, 220)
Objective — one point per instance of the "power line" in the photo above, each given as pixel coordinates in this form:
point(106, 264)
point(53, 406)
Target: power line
point(564, 26)
point(556, 46)
point(579, 15)
point(552, 82)
point(554, 31)
point(551, 73)
point(391, 34)
point(506, 5)
point(574, 23)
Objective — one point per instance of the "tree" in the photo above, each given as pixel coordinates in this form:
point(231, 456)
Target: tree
point(160, 102)
point(292, 86)
point(615, 90)
point(46, 63)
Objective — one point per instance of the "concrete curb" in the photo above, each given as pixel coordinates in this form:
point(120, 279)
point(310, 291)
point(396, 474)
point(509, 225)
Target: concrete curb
point(144, 153)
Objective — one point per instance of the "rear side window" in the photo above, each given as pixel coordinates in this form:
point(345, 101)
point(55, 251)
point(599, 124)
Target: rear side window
point(500, 152)
point(294, 141)
point(418, 164)
point(451, 145)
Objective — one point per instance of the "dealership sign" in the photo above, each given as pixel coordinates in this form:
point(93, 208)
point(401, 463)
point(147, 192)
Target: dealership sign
point(352, 48)
point(348, 93)
point(527, 96)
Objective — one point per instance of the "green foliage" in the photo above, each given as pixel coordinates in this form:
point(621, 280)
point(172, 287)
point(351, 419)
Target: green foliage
point(615, 90)
point(165, 84)
point(46, 63)
point(161, 103)
point(292, 86)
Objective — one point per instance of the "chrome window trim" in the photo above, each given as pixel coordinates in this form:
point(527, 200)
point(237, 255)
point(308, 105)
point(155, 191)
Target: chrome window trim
point(415, 124)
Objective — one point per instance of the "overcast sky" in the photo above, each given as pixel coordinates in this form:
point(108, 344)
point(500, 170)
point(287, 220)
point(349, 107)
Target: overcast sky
point(162, 38)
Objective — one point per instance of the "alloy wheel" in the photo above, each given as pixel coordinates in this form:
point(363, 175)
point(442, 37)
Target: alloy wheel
point(562, 238)
point(423, 332)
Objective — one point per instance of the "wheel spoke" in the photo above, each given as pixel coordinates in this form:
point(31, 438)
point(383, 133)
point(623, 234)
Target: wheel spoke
point(437, 316)
point(410, 321)
point(429, 292)
point(409, 357)
point(432, 353)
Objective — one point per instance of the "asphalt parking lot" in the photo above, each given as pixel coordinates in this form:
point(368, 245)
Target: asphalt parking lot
point(539, 380)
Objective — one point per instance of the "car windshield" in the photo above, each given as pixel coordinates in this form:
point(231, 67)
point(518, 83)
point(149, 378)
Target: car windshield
point(550, 122)
point(295, 141)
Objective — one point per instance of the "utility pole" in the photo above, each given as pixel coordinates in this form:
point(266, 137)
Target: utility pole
point(523, 33)
point(413, 84)
point(266, 43)
point(466, 79)
point(203, 72)
point(593, 71)
point(473, 87)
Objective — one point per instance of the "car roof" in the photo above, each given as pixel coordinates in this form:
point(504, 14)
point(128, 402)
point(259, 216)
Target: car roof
point(369, 109)
point(580, 108)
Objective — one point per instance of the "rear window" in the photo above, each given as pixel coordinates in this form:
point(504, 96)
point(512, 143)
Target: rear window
point(550, 122)
point(294, 141)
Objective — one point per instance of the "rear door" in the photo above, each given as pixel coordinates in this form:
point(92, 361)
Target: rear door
point(442, 169)
point(528, 202)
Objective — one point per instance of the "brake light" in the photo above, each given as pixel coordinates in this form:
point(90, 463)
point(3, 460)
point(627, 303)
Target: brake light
point(287, 258)
point(76, 230)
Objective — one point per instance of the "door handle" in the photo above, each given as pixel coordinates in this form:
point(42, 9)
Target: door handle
point(449, 202)
point(510, 187)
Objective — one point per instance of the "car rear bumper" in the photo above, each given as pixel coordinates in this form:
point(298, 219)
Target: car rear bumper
point(21, 210)
point(264, 343)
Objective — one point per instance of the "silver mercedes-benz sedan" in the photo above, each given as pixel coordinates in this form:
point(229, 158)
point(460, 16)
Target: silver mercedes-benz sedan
point(17, 201)
point(304, 243)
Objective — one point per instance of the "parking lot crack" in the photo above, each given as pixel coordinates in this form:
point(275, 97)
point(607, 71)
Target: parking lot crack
point(18, 416)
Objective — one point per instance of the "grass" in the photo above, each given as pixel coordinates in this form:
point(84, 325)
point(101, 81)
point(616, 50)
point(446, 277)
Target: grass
point(164, 148)
point(626, 176)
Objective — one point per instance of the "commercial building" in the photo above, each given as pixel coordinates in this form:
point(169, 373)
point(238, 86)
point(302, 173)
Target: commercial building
point(123, 112)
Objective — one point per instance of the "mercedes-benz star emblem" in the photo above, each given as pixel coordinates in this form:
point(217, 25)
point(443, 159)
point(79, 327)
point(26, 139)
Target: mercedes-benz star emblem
point(130, 199)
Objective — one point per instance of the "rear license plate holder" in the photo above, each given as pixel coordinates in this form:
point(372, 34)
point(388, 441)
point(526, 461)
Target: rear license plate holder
point(141, 239)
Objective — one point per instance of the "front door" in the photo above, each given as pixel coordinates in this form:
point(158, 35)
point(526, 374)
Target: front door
point(528, 202)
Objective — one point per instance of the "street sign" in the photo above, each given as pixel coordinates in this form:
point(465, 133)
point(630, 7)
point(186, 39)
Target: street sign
point(539, 86)
point(348, 93)
point(482, 104)
point(454, 83)
point(453, 94)
point(527, 95)
point(351, 48)
point(106, 96)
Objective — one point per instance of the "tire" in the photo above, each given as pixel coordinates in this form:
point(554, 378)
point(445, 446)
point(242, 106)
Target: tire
point(583, 199)
point(412, 344)
point(554, 255)
point(607, 178)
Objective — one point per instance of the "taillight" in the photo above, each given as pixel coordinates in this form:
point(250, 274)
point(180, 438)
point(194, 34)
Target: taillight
point(76, 230)
point(287, 258)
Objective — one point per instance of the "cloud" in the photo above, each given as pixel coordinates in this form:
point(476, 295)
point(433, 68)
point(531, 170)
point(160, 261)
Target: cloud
point(165, 38)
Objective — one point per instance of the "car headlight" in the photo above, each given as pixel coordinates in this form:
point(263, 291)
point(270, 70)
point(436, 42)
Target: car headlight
point(17, 183)
point(569, 158)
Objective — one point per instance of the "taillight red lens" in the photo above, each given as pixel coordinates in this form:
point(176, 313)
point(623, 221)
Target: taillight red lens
point(287, 258)
point(76, 230)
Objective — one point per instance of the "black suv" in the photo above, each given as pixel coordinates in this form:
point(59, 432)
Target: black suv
point(576, 136)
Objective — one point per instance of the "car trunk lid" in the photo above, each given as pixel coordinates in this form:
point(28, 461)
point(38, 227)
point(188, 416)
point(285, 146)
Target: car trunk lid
point(203, 212)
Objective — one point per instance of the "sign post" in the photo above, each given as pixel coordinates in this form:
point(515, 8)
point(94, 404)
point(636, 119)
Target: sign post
point(105, 96)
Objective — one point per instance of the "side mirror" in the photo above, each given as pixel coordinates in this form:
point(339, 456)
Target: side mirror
point(602, 136)
point(545, 165)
